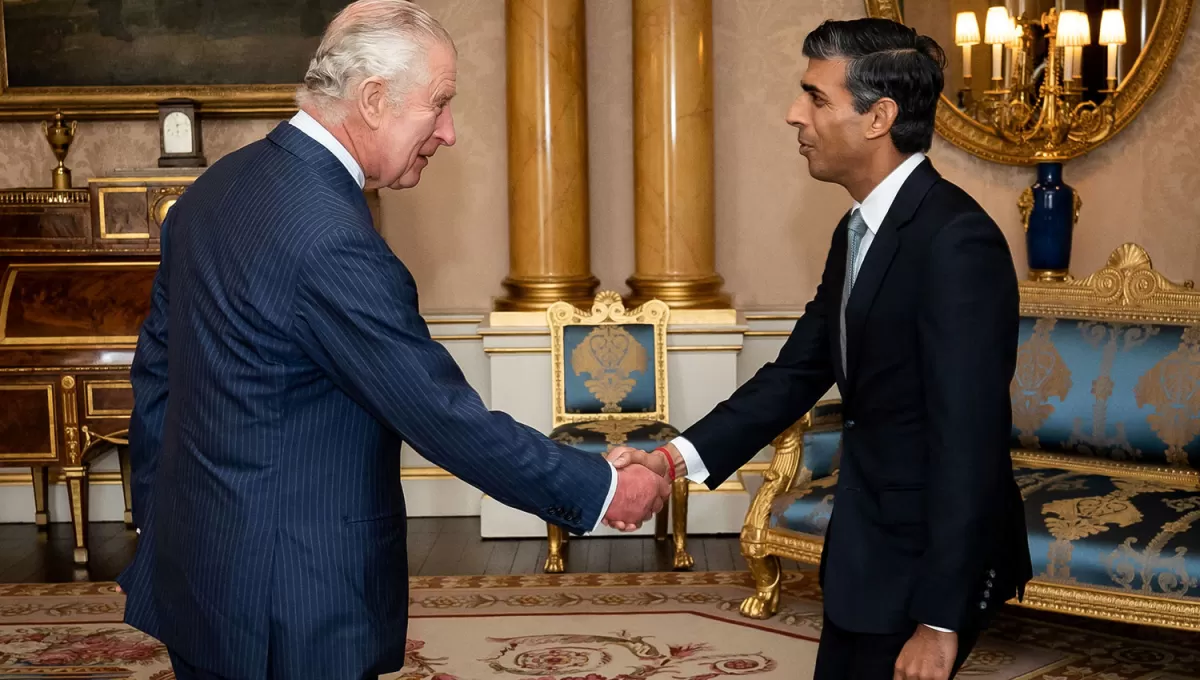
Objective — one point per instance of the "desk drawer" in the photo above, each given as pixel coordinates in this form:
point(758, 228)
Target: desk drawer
point(28, 422)
point(105, 399)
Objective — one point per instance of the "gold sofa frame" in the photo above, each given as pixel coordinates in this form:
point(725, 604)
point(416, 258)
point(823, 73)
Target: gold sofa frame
point(1127, 289)
point(609, 309)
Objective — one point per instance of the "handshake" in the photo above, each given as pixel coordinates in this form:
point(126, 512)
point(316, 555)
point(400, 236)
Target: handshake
point(642, 485)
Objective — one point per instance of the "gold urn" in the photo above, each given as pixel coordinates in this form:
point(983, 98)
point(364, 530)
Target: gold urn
point(60, 135)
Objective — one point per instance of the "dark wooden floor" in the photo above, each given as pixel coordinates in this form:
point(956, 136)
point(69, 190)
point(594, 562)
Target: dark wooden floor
point(447, 546)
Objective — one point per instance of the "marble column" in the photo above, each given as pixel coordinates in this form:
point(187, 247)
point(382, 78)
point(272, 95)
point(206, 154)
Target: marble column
point(549, 256)
point(673, 155)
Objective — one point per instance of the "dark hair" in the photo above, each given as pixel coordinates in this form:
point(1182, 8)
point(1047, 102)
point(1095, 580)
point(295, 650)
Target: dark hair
point(887, 59)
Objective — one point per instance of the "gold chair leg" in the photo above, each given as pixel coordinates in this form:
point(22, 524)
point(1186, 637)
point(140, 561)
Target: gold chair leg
point(554, 558)
point(660, 523)
point(41, 491)
point(77, 489)
point(679, 509)
point(126, 483)
point(765, 601)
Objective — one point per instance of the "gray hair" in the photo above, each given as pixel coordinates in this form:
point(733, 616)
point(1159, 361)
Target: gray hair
point(385, 38)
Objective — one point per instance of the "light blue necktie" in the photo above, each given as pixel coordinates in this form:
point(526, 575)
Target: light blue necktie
point(855, 231)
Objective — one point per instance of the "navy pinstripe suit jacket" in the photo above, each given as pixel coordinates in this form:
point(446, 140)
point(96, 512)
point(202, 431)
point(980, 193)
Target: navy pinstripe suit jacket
point(281, 365)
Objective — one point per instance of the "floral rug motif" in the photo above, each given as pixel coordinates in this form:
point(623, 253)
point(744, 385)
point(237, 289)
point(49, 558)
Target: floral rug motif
point(673, 626)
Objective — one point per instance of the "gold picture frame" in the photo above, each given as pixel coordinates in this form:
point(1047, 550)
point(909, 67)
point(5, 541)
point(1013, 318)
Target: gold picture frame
point(30, 102)
point(1141, 81)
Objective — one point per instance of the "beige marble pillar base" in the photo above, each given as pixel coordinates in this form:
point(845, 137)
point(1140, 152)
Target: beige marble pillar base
point(700, 292)
point(528, 294)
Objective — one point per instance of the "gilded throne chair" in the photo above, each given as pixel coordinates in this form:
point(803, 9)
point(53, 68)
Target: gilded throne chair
point(1105, 447)
point(609, 370)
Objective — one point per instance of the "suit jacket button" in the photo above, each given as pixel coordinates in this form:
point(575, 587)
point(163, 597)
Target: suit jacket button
point(983, 605)
point(992, 573)
point(850, 424)
point(987, 594)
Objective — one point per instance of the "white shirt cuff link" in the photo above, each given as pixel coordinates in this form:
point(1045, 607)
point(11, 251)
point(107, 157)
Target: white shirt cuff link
point(612, 491)
point(697, 472)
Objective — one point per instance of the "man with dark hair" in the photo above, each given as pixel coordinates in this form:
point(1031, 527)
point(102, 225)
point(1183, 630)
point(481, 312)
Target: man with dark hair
point(915, 320)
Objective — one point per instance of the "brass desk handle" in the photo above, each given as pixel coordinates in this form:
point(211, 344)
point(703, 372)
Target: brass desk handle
point(89, 436)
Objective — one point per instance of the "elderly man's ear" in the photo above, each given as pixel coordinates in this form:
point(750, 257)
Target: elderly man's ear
point(373, 101)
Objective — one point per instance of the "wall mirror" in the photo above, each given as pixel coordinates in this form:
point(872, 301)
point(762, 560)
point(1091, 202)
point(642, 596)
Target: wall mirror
point(1029, 81)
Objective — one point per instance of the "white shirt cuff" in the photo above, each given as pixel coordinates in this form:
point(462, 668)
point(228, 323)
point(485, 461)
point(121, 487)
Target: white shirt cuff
point(697, 472)
point(612, 491)
point(940, 630)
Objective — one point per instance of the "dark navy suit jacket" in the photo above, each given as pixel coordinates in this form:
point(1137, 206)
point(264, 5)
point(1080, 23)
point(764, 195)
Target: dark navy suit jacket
point(282, 364)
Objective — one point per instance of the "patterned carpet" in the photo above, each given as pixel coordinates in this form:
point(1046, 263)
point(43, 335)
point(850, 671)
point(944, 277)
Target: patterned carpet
point(590, 627)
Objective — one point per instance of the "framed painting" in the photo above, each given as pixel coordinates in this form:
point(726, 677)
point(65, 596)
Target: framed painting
point(116, 58)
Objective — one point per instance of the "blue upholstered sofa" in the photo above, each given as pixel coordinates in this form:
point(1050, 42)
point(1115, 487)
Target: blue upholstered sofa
point(1105, 447)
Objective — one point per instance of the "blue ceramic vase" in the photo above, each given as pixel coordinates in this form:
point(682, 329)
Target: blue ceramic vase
point(1051, 223)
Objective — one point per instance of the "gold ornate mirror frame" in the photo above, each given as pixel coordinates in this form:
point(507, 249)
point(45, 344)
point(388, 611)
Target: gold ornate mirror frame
point(1140, 82)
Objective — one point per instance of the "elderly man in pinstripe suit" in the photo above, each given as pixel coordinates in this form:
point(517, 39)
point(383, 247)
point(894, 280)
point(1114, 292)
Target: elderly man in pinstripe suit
point(283, 363)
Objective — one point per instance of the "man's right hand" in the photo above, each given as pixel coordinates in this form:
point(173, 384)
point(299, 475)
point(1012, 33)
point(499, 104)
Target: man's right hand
point(640, 494)
point(624, 456)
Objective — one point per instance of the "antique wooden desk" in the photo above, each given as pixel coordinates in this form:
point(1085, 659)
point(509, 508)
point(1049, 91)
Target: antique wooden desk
point(76, 268)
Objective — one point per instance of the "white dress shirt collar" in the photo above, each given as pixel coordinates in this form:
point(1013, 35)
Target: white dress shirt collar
point(876, 205)
point(309, 126)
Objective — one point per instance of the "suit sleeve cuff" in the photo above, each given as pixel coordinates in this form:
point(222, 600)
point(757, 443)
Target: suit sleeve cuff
point(612, 491)
point(697, 472)
point(940, 630)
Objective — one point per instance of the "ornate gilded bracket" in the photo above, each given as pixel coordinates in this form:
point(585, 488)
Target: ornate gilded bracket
point(1128, 288)
point(92, 438)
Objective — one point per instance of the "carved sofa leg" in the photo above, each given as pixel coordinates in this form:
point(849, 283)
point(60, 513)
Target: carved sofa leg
point(764, 603)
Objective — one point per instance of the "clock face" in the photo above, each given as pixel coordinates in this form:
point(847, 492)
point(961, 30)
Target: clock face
point(177, 133)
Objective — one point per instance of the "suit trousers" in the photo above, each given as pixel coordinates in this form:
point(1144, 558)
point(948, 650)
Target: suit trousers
point(843, 655)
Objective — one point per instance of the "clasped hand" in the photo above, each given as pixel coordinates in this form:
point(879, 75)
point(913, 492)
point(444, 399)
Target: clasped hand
point(642, 487)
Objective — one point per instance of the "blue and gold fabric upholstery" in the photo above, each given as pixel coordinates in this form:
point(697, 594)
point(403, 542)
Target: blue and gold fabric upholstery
point(600, 436)
point(609, 369)
point(1121, 391)
point(1108, 532)
point(1084, 530)
point(805, 508)
point(823, 441)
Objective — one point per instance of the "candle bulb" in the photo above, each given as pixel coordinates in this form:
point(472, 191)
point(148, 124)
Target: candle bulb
point(1073, 33)
point(998, 34)
point(1112, 33)
point(966, 34)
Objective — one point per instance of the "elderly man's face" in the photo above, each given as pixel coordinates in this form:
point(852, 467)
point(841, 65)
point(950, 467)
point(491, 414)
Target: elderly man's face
point(412, 133)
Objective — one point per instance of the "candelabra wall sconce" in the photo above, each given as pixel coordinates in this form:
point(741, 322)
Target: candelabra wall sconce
point(1065, 76)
